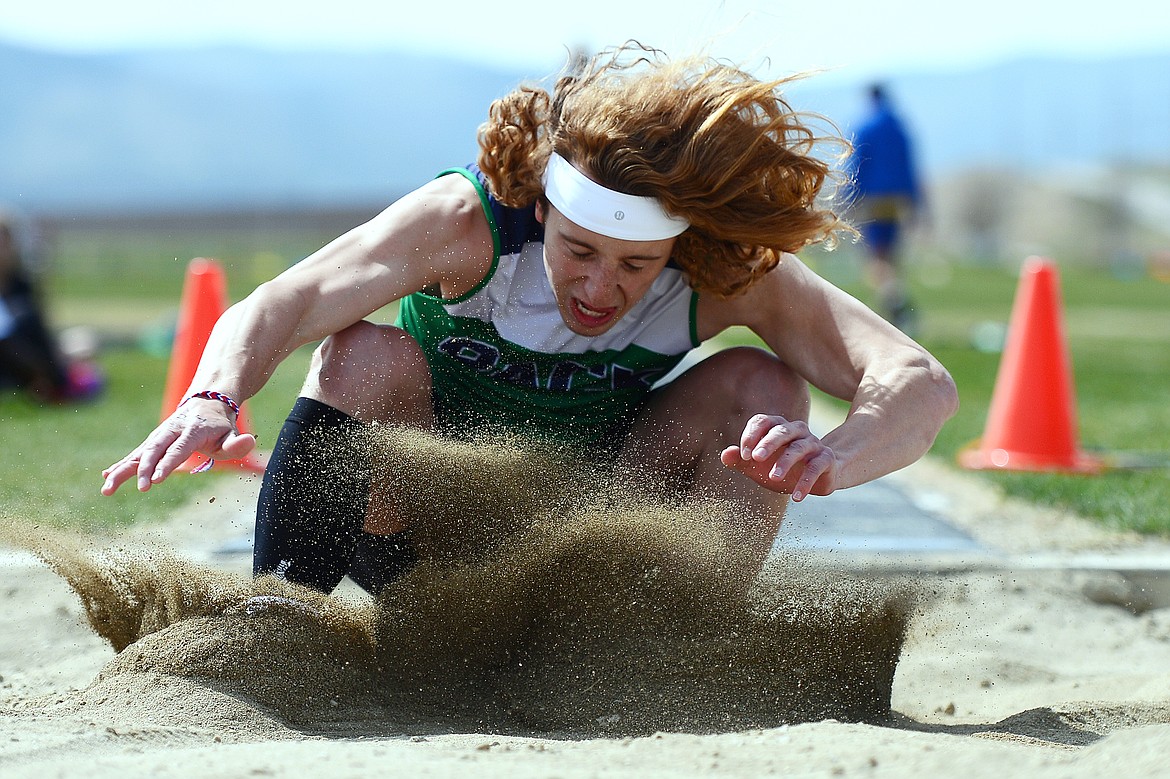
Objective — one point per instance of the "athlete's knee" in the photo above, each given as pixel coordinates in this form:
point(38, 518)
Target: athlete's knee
point(364, 351)
point(365, 366)
point(754, 381)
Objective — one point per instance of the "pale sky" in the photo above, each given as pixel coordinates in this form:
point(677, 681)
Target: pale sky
point(854, 39)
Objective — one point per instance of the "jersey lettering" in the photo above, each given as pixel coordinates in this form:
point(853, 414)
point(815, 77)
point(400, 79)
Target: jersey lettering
point(474, 354)
point(484, 358)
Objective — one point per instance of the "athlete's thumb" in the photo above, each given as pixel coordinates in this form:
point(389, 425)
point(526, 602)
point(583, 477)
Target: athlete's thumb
point(237, 445)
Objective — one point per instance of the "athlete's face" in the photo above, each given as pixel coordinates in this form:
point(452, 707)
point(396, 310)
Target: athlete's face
point(596, 279)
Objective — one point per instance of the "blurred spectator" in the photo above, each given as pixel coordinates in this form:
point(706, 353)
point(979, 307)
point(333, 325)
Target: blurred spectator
point(885, 195)
point(30, 358)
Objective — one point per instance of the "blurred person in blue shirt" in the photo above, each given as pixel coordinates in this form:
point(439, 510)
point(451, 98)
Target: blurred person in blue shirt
point(884, 190)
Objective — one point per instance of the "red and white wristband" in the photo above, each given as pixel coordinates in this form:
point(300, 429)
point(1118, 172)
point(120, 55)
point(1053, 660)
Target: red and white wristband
point(222, 398)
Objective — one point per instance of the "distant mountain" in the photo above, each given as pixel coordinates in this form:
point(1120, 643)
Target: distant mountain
point(227, 127)
point(230, 127)
point(1030, 115)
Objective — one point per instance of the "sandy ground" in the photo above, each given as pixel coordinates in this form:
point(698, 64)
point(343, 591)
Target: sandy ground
point(1048, 656)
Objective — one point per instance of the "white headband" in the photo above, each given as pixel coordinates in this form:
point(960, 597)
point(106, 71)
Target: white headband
point(615, 214)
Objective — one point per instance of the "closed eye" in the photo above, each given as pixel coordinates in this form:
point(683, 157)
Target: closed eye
point(576, 248)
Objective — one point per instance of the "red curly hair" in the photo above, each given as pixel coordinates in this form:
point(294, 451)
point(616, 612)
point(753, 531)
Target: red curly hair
point(712, 143)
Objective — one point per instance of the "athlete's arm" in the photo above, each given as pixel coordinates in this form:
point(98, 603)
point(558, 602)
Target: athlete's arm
point(437, 235)
point(899, 394)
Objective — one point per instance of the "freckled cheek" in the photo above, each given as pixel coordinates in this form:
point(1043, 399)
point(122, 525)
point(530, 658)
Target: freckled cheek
point(559, 275)
point(566, 269)
point(633, 292)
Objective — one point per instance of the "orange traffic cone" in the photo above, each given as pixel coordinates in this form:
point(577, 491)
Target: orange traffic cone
point(1032, 423)
point(203, 302)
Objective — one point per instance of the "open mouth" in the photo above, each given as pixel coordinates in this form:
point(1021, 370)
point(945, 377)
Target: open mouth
point(591, 317)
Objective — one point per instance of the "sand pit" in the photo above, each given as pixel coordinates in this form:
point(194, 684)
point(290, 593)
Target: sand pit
point(585, 641)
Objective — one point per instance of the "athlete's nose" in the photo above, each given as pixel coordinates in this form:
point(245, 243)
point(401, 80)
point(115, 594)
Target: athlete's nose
point(600, 282)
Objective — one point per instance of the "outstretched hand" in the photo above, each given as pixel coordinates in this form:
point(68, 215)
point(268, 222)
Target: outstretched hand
point(783, 456)
point(198, 426)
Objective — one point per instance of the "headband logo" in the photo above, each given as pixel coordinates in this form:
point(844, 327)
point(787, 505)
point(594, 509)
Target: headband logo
point(588, 204)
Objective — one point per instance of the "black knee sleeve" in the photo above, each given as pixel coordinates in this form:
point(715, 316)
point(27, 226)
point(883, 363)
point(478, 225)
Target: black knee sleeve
point(313, 504)
point(380, 559)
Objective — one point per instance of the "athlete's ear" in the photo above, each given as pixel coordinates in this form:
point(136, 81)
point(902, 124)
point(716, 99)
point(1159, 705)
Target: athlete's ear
point(540, 210)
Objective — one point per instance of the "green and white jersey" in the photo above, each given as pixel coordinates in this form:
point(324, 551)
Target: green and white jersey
point(502, 357)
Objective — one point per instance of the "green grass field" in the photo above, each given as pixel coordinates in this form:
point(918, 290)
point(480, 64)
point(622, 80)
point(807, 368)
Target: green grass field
point(1118, 332)
point(127, 286)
